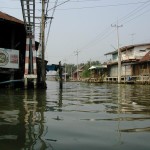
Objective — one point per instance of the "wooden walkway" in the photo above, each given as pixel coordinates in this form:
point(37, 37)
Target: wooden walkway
point(124, 80)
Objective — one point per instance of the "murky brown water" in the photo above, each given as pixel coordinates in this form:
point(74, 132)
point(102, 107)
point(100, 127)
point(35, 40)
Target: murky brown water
point(80, 117)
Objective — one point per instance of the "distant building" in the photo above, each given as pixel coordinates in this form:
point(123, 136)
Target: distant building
point(77, 73)
point(98, 73)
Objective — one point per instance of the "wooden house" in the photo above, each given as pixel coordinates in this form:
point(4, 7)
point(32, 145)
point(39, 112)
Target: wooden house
point(77, 73)
point(12, 51)
point(12, 47)
point(133, 58)
point(98, 73)
point(143, 68)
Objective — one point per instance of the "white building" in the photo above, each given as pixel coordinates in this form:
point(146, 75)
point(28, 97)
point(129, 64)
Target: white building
point(130, 58)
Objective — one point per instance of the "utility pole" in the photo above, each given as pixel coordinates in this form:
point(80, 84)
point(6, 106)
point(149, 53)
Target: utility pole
point(39, 51)
point(60, 76)
point(77, 53)
point(43, 44)
point(132, 38)
point(119, 53)
point(90, 62)
point(71, 73)
point(65, 69)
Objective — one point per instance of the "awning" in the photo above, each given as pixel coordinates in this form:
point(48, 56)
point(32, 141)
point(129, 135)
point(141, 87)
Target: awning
point(98, 67)
point(92, 67)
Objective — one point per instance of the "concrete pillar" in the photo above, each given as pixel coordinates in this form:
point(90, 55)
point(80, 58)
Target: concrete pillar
point(25, 83)
point(34, 83)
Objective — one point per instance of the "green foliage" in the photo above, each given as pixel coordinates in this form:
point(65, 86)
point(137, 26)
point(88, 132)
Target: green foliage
point(69, 68)
point(86, 73)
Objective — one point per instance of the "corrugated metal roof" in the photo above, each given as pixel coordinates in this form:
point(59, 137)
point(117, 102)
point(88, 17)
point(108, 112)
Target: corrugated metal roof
point(124, 48)
point(98, 67)
point(146, 57)
point(10, 18)
point(129, 61)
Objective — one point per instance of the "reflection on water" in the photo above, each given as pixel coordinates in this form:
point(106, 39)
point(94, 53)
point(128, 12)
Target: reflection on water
point(33, 120)
point(79, 116)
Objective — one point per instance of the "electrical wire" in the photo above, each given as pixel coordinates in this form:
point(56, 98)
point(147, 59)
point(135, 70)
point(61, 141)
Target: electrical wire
point(107, 32)
point(59, 5)
point(54, 8)
point(137, 16)
point(110, 5)
point(51, 22)
point(103, 35)
point(135, 11)
point(47, 6)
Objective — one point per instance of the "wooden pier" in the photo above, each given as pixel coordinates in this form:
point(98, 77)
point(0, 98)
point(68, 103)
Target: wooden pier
point(124, 80)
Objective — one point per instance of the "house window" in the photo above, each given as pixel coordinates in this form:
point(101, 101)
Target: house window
point(142, 50)
point(144, 66)
point(115, 56)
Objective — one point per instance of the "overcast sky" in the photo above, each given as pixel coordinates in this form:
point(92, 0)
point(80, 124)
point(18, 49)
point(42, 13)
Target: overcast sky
point(85, 26)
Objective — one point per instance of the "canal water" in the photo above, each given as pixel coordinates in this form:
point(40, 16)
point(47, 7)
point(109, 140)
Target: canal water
point(82, 116)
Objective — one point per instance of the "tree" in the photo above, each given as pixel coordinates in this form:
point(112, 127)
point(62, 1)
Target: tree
point(70, 68)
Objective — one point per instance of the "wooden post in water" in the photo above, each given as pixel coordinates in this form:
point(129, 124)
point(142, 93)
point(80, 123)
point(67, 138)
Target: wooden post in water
point(60, 76)
point(43, 46)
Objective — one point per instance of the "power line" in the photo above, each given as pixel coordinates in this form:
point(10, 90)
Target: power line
point(59, 5)
point(137, 16)
point(77, 54)
point(107, 32)
point(80, 1)
point(109, 5)
point(47, 7)
point(54, 8)
point(135, 11)
point(51, 22)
